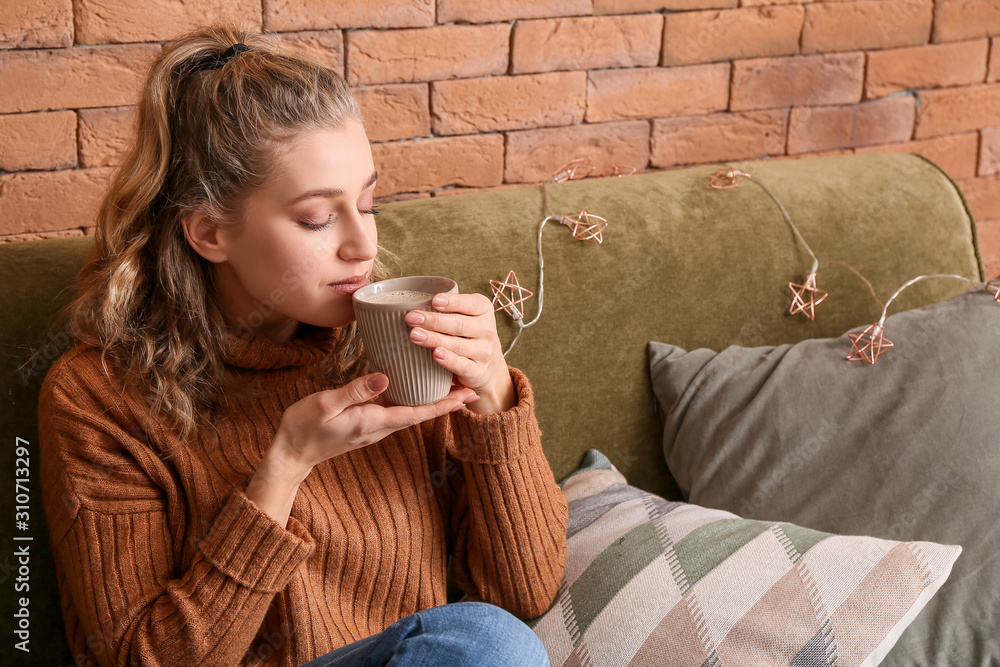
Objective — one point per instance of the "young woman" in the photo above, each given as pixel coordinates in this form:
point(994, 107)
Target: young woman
point(220, 486)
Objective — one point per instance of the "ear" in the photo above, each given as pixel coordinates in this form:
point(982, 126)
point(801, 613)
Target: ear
point(204, 236)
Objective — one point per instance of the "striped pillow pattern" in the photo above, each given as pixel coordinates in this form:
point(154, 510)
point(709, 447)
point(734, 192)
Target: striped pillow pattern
point(652, 582)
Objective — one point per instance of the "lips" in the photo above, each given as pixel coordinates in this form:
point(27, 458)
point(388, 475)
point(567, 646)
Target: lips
point(350, 285)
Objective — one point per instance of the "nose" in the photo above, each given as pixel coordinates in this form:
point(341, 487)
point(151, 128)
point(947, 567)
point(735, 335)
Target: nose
point(360, 240)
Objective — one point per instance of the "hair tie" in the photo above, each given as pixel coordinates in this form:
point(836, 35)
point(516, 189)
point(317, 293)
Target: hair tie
point(216, 61)
point(233, 51)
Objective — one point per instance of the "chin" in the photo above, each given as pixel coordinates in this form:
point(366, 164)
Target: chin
point(334, 322)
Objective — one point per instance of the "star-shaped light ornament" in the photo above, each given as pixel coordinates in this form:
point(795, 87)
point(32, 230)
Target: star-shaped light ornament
point(617, 170)
point(806, 297)
point(508, 294)
point(573, 170)
point(586, 226)
point(993, 287)
point(867, 345)
point(728, 178)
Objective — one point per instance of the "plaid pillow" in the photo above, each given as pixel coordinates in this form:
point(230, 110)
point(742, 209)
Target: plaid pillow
point(652, 582)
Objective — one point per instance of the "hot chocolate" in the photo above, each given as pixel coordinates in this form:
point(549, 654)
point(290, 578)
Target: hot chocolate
point(398, 296)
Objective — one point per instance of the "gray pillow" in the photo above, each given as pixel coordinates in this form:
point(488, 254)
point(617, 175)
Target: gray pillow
point(905, 449)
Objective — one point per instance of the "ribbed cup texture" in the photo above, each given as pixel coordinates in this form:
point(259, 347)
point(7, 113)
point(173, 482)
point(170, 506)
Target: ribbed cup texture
point(414, 377)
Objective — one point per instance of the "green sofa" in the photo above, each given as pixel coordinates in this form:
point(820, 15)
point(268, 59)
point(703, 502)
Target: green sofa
point(680, 262)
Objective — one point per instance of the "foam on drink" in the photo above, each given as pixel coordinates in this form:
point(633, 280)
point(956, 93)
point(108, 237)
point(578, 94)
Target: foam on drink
point(399, 296)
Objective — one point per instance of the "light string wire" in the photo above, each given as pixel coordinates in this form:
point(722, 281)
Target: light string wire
point(859, 275)
point(868, 345)
point(592, 227)
point(798, 234)
point(885, 309)
point(521, 324)
point(866, 349)
point(733, 174)
point(784, 212)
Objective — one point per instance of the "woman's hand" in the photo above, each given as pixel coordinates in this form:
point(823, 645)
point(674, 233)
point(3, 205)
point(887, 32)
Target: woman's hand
point(327, 423)
point(463, 334)
point(331, 422)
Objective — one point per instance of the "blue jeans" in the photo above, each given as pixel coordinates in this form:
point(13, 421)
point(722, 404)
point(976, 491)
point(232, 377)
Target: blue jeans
point(460, 634)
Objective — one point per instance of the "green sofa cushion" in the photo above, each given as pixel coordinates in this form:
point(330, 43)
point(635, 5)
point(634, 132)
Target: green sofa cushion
point(684, 263)
point(680, 262)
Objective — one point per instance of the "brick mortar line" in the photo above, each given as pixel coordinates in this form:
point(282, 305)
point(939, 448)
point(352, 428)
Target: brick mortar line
point(649, 145)
point(77, 138)
point(503, 157)
point(864, 81)
point(788, 128)
point(510, 47)
point(802, 28)
point(979, 151)
point(930, 38)
point(990, 46)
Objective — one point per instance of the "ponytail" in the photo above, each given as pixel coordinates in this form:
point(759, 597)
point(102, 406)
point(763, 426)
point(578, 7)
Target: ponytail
point(209, 125)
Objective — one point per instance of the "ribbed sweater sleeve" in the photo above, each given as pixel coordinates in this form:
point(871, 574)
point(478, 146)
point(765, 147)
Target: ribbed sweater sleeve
point(116, 554)
point(508, 516)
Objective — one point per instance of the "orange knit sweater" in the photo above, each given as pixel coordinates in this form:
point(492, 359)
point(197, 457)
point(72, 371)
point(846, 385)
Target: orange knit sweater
point(161, 559)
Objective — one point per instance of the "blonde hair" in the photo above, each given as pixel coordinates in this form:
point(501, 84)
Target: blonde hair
point(208, 132)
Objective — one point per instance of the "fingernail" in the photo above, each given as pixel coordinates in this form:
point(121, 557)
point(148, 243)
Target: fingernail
point(417, 335)
point(415, 317)
point(439, 353)
point(471, 399)
point(439, 301)
point(458, 407)
point(377, 382)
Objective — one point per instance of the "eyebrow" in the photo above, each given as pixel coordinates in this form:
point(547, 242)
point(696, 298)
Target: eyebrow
point(330, 193)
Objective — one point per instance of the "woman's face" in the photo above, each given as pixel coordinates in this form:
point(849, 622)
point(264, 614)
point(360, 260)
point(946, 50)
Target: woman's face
point(307, 240)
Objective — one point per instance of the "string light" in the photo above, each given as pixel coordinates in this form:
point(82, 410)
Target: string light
point(731, 177)
point(728, 178)
point(582, 167)
point(617, 170)
point(870, 343)
point(573, 170)
point(509, 293)
point(993, 287)
point(866, 345)
point(806, 304)
point(584, 226)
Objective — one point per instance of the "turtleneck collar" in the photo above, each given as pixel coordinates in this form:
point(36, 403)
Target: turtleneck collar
point(256, 351)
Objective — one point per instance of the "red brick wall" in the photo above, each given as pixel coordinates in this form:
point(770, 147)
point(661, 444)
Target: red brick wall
point(469, 94)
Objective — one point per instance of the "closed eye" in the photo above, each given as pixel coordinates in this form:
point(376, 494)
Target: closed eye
point(316, 226)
